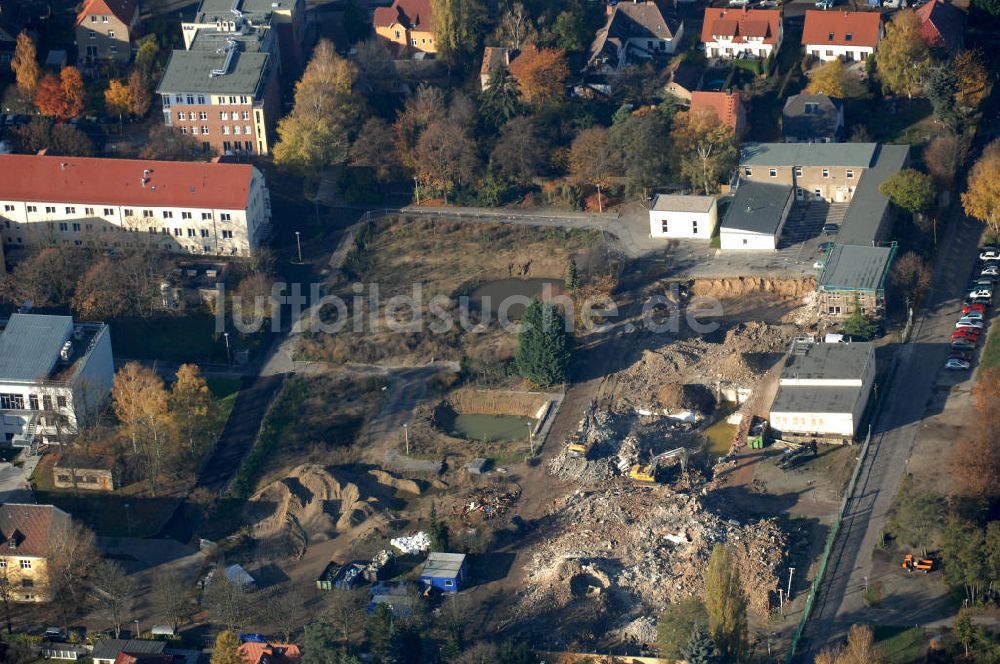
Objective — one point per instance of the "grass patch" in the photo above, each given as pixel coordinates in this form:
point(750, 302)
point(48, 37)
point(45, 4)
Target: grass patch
point(224, 388)
point(990, 357)
point(901, 645)
point(188, 338)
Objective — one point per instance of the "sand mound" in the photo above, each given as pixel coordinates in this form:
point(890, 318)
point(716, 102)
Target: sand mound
point(399, 483)
point(311, 502)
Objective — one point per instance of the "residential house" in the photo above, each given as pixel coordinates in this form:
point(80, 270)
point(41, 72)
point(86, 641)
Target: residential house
point(185, 207)
point(943, 25)
point(810, 118)
point(756, 216)
point(727, 106)
point(80, 471)
point(53, 373)
point(444, 571)
point(673, 216)
point(494, 58)
point(270, 653)
point(105, 30)
point(28, 537)
point(850, 36)
point(106, 651)
point(823, 171)
point(636, 31)
point(824, 390)
point(741, 33)
point(407, 23)
point(853, 276)
point(685, 79)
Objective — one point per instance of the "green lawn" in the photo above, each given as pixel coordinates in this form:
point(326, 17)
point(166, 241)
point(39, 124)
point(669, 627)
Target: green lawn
point(224, 388)
point(188, 338)
point(990, 357)
point(901, 645)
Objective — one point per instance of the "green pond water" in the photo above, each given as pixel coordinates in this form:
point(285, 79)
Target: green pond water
point(490, 428)
point(500, 290)
point(720, 437)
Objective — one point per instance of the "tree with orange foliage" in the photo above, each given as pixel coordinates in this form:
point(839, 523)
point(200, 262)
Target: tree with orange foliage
point(49, 97)
point(117, 99)
point(139, 95)
point(971, 78)
point(541, 74)
point(25, 65)
point(71, 83)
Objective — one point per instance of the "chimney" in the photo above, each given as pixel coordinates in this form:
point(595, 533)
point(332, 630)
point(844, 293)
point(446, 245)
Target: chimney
point(143, 182)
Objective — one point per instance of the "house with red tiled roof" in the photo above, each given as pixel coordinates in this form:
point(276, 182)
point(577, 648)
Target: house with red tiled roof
point(850, 36)
point(28, 537)
point(636, 31)
point(943, 25)
point(740, 33)
point(105, 30)
point(270, 653)
point(727, 106)
point(407, 23)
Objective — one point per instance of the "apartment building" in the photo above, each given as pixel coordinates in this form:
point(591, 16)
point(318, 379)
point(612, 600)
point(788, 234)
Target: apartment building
point(282, 20)
point(29, 535)
point(105, 30)
point(54, 373)
point(408, 24)
point(824, 171)
point(184, 207)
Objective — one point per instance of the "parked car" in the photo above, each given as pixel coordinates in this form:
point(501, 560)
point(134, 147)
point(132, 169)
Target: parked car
point(981, 292)
point(833, 229)
point(974, 315)
point(963, 344)
point(986, 279)
point(985, 301)
point(990, 254)
point(957, 354)
point(825, 247)
point(968, 322)
point(819, 265)
point(990, 271)
point(974, 306)
point(54, 634)
point(967, 332)
point(955, 364)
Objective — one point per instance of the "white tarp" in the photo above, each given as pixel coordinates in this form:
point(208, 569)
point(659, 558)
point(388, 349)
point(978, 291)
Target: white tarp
point(413, 544)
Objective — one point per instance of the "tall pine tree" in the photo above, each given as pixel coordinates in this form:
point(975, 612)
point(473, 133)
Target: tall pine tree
point(544, 346)
point(700, 648)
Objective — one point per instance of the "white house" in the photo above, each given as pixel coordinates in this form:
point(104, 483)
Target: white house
point(850, 36)
point(53, 374)
point(756, 217)
point(636, 31)
point(739, 33)
point(824, 389)
point(693, 217)
point(185, 207)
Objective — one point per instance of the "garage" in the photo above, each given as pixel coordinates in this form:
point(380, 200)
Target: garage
point(755, 217)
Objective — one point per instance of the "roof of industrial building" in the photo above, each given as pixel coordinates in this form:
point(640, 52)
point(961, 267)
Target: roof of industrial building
point(678, 203)
point(443, 565)
point(859, 155)
point(210, 11)
point(82, 180)
point(822, 361)
point(757, 207)
point(110, 648)
point(30, 345)
point(868, 204)
point(811, 399)
point(190, 71)
point(855, 267)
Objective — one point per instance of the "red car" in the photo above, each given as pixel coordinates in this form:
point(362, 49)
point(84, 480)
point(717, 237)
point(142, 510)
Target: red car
point(969, 333)
point(981, 308)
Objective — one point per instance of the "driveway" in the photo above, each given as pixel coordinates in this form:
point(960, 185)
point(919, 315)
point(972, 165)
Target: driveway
point(14, 486)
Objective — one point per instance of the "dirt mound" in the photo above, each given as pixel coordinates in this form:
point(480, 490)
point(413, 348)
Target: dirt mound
point(740, 286)
point(311, 503)
point(386, 478)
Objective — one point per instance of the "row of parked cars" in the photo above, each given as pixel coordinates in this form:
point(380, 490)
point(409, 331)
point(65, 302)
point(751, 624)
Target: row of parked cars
point(969, 328)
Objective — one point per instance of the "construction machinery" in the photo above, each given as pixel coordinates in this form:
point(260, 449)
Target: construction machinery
point(577, 449)
point(649, 474)
point(911, 564)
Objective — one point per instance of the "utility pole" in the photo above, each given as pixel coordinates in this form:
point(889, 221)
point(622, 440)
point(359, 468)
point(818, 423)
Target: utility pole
point(531, 439)
point(298, 244)
point(406, 437)
point(229, 359)
point(416, 189)
point(791, 570)
point(781, 602)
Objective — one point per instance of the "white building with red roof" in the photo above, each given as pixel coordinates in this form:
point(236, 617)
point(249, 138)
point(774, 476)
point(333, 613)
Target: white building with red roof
point(740, 33)
point(850, 36)
point(208, 208)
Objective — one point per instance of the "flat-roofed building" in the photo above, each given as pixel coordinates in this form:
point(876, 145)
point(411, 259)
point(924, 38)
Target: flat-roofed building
point(853, 276)
point(677, 216)
point(756, 216)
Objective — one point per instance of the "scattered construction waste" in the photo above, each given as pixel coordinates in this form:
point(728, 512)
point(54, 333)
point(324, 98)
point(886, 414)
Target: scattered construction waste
point(379, 566)
point(348, 575)
point(595, 437)
point(639, 549)
point(485, 503)
point(412, 544)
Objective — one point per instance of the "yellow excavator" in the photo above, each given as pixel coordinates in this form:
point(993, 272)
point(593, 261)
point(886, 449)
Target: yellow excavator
point(648, 474)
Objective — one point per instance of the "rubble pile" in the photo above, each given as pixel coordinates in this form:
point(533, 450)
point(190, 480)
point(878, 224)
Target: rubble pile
point(599, 438)
point(652, 546)
point(490, 502)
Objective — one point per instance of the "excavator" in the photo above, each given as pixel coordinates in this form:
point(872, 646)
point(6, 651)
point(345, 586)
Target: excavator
point(649, 473)
point(911, 564)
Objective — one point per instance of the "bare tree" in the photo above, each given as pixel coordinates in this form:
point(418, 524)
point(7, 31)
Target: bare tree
point(226, 601)
point(169, 598)
point(71, 562)
point(114, 590)
point(345, 612)
point(281, 609)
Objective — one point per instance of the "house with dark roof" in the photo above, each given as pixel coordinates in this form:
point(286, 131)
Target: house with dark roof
point(684, 79)
point(107, 651)
point(741, 33)
point(755, 217)
point(409, 24)
point(727, 106)
point(29, 535)
point(105, 30)
point(810, 118)
point(850, 36)
point(942, 25)
point(853, 276)
point(635, 31)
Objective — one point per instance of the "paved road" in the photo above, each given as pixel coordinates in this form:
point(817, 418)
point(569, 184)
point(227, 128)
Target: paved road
point(840, 602)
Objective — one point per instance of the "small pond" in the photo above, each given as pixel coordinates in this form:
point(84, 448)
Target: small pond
point(486, 428)
point(720, 436)
point(501, 291)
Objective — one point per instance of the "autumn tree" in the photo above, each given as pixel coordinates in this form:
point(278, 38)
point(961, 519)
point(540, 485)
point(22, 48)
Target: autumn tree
point(47, 277)
point(139, 95)
point(859, 649)
point(226, 649)
point(982, 198)
point(830, 79)
point(117, 99)
point(140, 403)
point(97, 295)
point(515, 28)
point(591, 161)
point(974, 463)
point(446, 157)
point(457, 24)
point(943, 156)
point(226, 601)
point(25, 65)
point(522, 151)
point(726, 605)
point(903, 57)
point(170, 144)
point(971, 78)
point(73, 555)
point(191, 402)
point(910, 190)
point(424, 107)
point(375, 148)
point(541, 74)
point(911, 275)
point(71, 83)
point(640, 141)
point(916, 515)
point(705, 147)
point(49, 96)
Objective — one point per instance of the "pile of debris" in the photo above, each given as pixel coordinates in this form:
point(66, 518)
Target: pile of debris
point(590, 457)
point(485, 503)
point(412, 544)
point(647, 548)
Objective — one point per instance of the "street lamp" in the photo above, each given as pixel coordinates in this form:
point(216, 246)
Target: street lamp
point(531, 438)
point(406, 437)
point(229, 359)
point(298, 243)
point(416, 189)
